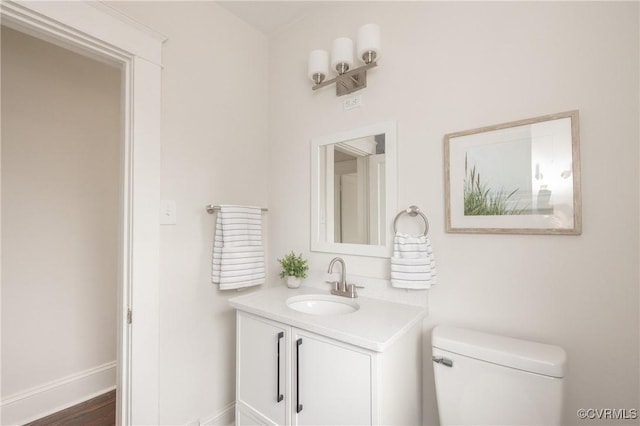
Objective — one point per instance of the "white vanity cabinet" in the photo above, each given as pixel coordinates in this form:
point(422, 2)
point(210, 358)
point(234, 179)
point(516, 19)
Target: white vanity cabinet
point(289, 376)
point(261, 362)
point(331, 383)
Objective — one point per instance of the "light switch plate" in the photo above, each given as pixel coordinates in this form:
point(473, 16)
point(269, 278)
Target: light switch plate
point(168, 212)
point(352, 102)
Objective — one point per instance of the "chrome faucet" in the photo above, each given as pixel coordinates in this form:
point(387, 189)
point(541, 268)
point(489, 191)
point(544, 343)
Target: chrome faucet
point(341, 288)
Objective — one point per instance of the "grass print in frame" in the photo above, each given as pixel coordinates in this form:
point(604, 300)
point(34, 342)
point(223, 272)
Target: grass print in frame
point(520, 177)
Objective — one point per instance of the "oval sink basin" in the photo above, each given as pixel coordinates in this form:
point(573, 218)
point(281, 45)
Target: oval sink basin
point(320, 304)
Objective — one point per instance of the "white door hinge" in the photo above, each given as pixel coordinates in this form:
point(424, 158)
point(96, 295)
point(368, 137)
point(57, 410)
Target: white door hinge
point(129, 316)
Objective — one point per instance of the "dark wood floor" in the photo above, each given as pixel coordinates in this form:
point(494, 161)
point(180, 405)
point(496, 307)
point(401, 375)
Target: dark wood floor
point(99, 411)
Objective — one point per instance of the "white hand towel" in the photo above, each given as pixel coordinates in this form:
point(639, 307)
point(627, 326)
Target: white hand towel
point(413, 265)
point(238, 254)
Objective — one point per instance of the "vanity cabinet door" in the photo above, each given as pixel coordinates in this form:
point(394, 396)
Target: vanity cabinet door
point(331, 382)
point(261, 386)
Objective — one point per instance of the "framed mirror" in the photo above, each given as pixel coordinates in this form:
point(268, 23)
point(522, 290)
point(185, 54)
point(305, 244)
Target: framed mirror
point(353, 190)
point(521, 177)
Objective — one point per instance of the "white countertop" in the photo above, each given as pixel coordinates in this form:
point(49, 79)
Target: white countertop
point(375, 326)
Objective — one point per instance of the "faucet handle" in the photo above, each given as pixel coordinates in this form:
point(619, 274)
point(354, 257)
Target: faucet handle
point(352, 290)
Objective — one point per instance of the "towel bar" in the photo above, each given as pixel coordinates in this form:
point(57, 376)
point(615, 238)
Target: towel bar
point(411, 211)
point(211, 209)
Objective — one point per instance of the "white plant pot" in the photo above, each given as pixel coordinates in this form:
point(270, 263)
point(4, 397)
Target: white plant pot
point(293, 282)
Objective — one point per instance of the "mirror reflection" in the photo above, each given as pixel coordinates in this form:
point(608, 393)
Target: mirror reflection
point(355, 184)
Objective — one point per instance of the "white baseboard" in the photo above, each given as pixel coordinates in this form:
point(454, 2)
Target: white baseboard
point(225, 417)
point(46, 399)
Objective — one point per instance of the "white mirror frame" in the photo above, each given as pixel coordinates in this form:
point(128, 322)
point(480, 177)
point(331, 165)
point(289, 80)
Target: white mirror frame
point(389, 128)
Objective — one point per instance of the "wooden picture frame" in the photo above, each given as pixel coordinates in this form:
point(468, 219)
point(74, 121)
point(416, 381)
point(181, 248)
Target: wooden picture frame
point(521, 177)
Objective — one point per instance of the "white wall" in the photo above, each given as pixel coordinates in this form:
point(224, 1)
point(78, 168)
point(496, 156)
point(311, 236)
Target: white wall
point(454, 66)
point(214, 150)
point(60, 199)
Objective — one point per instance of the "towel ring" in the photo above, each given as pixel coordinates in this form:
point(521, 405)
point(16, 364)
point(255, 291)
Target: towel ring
point(412, 211)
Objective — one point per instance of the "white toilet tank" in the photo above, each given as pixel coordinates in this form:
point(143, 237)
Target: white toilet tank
point(484, 379)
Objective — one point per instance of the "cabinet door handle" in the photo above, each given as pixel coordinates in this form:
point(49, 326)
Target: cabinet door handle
point(279, 396)
point(298, 405)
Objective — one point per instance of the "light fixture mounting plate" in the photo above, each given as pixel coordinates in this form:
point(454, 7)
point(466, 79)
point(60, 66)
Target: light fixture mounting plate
point(349, 82)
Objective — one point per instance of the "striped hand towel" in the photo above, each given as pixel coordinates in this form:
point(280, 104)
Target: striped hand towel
point(413, 265)
point(238, 254)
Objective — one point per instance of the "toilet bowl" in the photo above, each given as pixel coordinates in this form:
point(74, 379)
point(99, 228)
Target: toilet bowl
point(484, 379)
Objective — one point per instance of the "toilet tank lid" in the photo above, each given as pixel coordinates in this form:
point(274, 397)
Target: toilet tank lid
point(524, 355)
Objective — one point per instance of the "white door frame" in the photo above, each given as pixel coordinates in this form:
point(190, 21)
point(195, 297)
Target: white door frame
point(96, 30)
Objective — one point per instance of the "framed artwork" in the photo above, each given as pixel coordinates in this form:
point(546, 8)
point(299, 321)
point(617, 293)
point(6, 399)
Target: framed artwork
point(521, 177)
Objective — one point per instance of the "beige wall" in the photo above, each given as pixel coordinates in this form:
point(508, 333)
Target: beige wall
point(60, 198)
point(454, 66)
point(214, 150)
point(238, 115)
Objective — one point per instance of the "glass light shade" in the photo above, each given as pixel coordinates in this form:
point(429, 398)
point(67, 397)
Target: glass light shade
point(318, 63)
point(368, 40)
point(342, 52)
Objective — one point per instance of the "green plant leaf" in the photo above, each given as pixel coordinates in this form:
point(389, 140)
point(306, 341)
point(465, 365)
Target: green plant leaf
point(293, 265)
point(480, 200)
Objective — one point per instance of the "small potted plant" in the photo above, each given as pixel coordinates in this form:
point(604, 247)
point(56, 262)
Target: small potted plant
point(294, 268)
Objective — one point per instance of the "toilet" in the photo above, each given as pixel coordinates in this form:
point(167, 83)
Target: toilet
point(485, 379)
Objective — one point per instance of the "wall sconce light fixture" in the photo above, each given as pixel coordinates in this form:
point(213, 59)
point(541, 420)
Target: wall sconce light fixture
point(348, 80)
